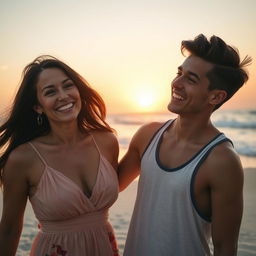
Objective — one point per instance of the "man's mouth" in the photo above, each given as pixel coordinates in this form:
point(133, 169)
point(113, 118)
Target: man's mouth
point(177, 97)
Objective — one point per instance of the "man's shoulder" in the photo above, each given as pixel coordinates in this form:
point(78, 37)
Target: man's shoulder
point(148, 130)
point(224, 154)
point(144, 135)
point(223, 163)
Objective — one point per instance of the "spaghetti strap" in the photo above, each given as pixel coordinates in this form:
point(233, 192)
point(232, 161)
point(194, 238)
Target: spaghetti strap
point(37, 152)
point(95, 143)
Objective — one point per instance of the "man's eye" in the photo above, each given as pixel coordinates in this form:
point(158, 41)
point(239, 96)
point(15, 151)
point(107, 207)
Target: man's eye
point(191, 80)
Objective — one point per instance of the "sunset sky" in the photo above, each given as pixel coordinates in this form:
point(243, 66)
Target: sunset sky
point(128, 50)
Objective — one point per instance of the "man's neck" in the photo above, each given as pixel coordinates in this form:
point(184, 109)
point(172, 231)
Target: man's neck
point(198, 128)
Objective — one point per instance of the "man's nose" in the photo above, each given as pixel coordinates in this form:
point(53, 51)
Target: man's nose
point(178, 82)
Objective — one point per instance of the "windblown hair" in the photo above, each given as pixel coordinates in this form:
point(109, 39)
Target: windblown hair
point(21, 124)
point(228, 73)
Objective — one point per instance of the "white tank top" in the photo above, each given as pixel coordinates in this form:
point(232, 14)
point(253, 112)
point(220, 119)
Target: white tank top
point(165, 220)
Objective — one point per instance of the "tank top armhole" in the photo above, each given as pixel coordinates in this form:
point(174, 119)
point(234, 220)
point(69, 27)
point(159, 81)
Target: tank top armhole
point(37, 152)
point(154, 135)
point(192, 196)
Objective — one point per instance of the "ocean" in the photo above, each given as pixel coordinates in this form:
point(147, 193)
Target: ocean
point(239, 126)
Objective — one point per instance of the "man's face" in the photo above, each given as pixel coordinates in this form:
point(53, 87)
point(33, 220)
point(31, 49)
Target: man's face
point(190, 92)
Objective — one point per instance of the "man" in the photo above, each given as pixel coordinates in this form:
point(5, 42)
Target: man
point(191, 179)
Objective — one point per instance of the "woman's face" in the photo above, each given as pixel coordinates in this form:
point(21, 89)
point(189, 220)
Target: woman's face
point(58, 97)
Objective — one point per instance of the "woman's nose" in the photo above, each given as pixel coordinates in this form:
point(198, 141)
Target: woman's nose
point(62, 95)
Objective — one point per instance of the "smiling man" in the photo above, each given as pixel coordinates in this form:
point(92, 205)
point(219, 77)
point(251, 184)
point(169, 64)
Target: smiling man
point(191, 180)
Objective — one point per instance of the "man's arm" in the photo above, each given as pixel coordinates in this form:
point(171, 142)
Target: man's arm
point(226, 185)
point(129, 166)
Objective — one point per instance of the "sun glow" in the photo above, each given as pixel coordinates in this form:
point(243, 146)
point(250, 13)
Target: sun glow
point(145, 100)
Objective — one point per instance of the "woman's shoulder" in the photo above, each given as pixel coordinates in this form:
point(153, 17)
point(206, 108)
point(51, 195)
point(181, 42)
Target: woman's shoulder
point(108, 145)
point(20, 159)
point(21, 154)
point(105, 138)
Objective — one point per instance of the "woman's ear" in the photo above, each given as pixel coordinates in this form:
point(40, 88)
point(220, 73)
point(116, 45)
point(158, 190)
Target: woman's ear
point(38, 109)
point(217, 97)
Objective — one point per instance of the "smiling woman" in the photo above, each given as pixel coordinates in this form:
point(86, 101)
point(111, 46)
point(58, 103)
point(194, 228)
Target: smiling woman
point(62, 156)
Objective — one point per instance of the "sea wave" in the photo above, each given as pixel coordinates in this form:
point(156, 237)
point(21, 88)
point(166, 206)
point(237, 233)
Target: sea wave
point(246, 151)
point(235, 124)
point(234, 120)
point(125, 121)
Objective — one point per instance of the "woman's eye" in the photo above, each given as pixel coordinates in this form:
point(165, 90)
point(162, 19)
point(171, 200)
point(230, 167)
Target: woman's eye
point(68, 85)
point(49, 92)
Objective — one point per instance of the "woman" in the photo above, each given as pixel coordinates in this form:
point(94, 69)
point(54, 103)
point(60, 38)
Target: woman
point(61, 154)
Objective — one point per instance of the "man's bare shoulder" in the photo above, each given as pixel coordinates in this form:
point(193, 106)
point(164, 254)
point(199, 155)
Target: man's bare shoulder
point(224, 164)
point(148, 130)
point(144, 134)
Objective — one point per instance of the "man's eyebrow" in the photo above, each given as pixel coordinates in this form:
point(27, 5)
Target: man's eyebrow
point(180, 68)
point(194, 74)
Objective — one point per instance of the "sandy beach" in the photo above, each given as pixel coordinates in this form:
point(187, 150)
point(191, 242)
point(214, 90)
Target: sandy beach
point(120, 214)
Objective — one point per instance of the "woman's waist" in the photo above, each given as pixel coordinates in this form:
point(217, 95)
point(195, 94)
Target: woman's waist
point(77, 223)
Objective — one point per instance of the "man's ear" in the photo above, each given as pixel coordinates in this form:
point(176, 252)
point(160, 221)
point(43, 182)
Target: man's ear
point(217, 97)
point(38, 109)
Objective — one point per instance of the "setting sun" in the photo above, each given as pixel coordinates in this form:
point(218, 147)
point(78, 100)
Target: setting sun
point(145, 100)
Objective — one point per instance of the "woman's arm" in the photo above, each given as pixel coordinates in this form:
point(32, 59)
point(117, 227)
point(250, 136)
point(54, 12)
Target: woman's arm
point(15, 192)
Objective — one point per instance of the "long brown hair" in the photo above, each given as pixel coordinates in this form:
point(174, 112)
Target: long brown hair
point(21, 124)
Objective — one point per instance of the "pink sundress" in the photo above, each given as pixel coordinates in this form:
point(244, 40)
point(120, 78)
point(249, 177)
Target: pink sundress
point(72, 224)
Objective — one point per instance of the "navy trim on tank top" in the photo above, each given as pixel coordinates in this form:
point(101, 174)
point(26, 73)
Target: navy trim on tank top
point(186, 163)
point(154, 135)
point(206, 218)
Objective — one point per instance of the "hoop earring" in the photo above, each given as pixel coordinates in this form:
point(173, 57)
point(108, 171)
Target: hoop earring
point(39, 119)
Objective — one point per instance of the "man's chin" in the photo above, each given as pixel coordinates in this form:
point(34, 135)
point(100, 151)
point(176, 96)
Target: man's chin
point(170, 108)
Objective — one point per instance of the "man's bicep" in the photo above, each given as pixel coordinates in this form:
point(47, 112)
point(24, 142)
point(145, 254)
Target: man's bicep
point(227, 207)
point(129, 166)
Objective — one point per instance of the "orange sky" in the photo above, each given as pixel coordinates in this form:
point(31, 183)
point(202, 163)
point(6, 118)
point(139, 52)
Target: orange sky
point(127, 50)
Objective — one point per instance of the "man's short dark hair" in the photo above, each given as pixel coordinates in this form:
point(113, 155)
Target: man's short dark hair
point(228, 73)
